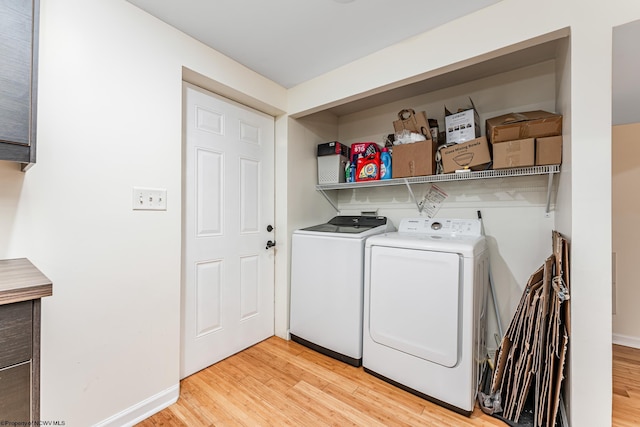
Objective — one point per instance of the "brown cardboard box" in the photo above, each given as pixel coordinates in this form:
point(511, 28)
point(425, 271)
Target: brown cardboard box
point(514, 154)
point(417, 159)
point(409, 120)
point(549, 150)
point(466, 155)
point(531, 124)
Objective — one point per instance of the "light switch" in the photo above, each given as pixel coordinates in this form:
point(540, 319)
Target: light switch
point(149, 199)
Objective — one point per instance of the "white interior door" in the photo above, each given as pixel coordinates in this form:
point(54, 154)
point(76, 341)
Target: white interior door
point(227, 297)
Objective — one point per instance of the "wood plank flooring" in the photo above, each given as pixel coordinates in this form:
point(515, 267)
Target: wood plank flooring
point(626, 387)
point(281, 383)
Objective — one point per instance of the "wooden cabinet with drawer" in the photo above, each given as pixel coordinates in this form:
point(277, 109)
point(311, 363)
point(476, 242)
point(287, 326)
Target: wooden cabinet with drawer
point(18, 80)
point(21, 287)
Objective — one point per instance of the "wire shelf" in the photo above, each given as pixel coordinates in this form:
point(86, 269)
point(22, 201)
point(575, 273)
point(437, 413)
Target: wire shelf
point(460, 176)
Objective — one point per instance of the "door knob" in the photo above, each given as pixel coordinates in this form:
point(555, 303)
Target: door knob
point(270, 244)
point(269, 228)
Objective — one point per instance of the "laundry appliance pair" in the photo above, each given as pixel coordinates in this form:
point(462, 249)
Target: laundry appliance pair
point(412, 312)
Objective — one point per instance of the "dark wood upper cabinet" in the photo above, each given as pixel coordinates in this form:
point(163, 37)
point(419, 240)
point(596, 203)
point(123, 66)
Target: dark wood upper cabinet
point(18, 80)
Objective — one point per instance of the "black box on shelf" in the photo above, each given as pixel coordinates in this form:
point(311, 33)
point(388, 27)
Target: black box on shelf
point(333, 147)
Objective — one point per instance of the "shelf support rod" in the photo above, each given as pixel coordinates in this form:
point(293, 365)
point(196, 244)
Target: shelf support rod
point(549, 185)
point(413, 196)
point(326, 196)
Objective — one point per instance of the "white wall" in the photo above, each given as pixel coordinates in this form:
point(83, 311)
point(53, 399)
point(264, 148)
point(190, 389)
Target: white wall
point(110, 118)
point(296, 205)
point(12, 180)
point(626, 232)
point(307, 207)
point(585, 187)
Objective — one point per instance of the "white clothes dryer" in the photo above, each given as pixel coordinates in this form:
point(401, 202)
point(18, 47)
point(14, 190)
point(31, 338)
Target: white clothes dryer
point(327, 284)
point(425, 301)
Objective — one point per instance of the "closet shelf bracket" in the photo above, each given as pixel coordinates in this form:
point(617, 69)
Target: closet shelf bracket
point(419, 205)
point(329, 199)
point(549, 186)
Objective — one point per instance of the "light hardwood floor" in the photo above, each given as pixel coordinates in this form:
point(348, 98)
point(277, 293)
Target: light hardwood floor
point(626, 386)
point(281, 383)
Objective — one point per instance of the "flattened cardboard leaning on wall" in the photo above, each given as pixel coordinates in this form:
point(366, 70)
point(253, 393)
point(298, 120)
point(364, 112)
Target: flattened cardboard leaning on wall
point(530, 361)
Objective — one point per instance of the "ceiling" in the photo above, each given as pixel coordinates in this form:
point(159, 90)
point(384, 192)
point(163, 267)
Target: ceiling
point(292, 41)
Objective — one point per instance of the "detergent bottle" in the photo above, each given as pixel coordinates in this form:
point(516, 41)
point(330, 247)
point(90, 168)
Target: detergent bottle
point(347, 172)
point(352, 169)
point(385, 164)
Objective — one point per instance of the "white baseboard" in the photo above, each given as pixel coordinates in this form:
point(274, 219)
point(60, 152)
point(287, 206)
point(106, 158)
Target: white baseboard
point(143, 410)
point(626, 341)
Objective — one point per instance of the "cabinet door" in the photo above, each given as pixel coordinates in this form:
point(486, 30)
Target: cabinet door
point(16, 329)
point(16, 17)
point(18, 79)
point(15, 389)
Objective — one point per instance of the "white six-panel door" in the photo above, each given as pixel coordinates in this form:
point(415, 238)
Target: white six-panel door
point(227, 296)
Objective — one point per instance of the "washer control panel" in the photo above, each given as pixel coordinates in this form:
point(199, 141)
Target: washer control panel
point(441, 226)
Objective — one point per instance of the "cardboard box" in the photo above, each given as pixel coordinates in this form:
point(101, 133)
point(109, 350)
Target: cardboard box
point(466, 155)
point(549, 150)
point(514, 154)
point(462, 126)
point(530, 124)
point(417, 159)
point(409, 120)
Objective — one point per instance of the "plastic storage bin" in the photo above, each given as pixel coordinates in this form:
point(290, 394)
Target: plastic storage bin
point(332, 160)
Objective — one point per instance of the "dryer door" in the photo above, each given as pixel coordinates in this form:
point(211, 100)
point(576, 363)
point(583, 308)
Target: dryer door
point(414, 302)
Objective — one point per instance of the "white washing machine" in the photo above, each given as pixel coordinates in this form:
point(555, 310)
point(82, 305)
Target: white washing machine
point(425, 299)
point(327, 281)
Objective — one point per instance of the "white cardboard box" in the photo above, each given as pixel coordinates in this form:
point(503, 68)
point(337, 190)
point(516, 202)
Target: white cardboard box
point(463, 126)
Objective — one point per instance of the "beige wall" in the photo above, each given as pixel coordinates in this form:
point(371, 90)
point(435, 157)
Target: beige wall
point(625, 206)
